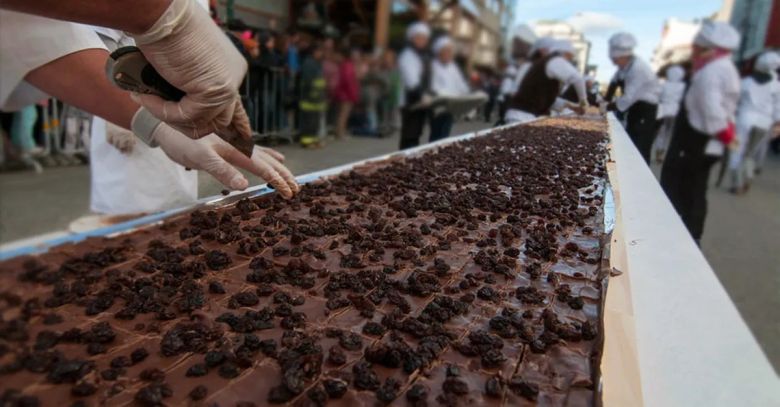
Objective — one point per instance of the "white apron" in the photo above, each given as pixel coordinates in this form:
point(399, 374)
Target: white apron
point(144, 181)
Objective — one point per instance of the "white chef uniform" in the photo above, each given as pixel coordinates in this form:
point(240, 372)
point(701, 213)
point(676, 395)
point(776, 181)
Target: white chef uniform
point(672, 92)
point(28, 42)
point(757, 112)
point(560, 69)
point(712, 99)
point(641, 84)
point(142, 181)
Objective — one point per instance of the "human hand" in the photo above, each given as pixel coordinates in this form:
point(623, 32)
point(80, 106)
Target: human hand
point(194, 55)
point(123, 140)
point(221, 160)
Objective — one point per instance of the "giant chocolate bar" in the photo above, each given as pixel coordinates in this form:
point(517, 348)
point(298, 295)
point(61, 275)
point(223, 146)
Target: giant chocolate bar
point(468, 275)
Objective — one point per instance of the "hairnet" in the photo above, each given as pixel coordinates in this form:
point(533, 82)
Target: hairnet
point(525, 33)
point(543, 43)
point(717, 34)
point(418, 28)
point(621, 44)
point(768, 62)
point(562, 46)
point(441, 43)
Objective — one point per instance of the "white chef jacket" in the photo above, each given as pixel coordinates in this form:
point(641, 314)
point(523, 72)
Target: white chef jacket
point(712, 99)
point(447, 80)
point(560, 69)
point(143, 181)
point(507, 83)
point(411, 67)
point(28, 42)
point(566, 73)
point(639, 84)
point(759, 104)
point(671, 96)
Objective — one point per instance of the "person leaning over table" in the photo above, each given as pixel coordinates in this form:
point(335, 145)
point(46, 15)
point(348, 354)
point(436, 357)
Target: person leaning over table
point(705, 124)
point(67, 61)
point(415, 66)
point(538, 93)
point(540, 49)
point(446, 81)
point(638, 105)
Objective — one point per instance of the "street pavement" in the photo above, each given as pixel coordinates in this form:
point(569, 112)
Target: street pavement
point(741, 240)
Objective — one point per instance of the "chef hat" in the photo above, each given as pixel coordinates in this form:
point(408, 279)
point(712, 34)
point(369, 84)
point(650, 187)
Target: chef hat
point(621, 45)
point(525, 33)
point(717, 34)
point(418, 28)
point(768, 62)
point(562, 46)
point(675, 73)
point(442, 42)
point(543, 43)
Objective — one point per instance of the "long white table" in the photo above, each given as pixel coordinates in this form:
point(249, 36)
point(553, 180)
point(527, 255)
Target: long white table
point(694, 348)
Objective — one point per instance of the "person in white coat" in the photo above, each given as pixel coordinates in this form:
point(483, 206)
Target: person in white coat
point(705, 124)
point(128, 176)
point(757, 113)
point(446, 81)
point(414, 62)
point(539, 91)
point(672, 92)
point(540, 49)
point(44, 56)
point(638, 105)
point(523, 40)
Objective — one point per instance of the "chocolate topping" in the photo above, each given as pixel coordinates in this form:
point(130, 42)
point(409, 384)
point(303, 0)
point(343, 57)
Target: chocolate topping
point(466, 275)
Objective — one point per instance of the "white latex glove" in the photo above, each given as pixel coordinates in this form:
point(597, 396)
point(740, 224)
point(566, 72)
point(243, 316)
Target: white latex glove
point(220, 159)
point(123, 140)
point(193, 54)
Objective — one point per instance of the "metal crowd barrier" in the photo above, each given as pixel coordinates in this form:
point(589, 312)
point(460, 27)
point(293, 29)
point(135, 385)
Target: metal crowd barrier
point(65, 139)
point(268, 91)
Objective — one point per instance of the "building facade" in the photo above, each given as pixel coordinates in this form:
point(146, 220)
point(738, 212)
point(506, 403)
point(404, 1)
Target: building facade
point(759, 23)
point(562, 30)
point(676, 43)
point(476, 26)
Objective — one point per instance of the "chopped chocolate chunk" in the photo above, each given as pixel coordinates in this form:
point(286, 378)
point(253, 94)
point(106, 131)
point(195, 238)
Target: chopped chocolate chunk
point(83, 389)
point(336, 388)
point(138, 355)
point(197, 370)
point(198, 393)
point(217, 260)
point(153, 394)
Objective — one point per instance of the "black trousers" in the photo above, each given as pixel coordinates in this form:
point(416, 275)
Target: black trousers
point(441, 126)
point(641, 126)
point(412, 126)
point(686, 173)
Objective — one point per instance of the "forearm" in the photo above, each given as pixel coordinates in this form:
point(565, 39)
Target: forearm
point(79, 79)
point(135, 16)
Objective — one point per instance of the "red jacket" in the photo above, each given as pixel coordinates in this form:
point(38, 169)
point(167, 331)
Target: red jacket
point(348, 88)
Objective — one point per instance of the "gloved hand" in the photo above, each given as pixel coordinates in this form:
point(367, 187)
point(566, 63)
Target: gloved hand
point(727, 135)
point(220, 159)
point(190, 51)
point(123, 140)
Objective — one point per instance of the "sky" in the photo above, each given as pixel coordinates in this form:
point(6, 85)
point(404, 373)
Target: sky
point(599, 19)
